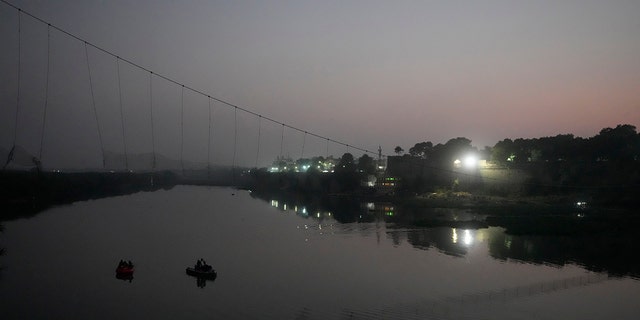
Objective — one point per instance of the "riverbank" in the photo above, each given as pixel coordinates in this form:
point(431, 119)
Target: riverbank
point(25, 193)
point(540, 215)
point(513, 204)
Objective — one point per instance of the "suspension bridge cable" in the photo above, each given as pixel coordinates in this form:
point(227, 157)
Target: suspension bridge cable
point(235, 136)
point(124, 140)
point(282, 140)
point(327, 156)
point(259, 129)
point(153, 137)
point(209, 141)
point(93, 103)
point(212, 125)
point(15, 129)
point(182, 129)
point(235, 145)
point(46, 93)
point(304, 140)
point(229, 104)
point(130, 62)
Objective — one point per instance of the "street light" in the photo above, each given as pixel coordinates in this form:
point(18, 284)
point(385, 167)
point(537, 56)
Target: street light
point(470, 161)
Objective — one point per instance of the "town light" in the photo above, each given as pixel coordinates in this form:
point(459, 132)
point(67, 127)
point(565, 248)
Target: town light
point(470, 161)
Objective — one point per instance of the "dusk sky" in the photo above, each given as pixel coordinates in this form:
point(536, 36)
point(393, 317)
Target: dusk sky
point(366, 73)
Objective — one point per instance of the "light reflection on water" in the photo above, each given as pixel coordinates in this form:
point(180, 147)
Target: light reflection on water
point(279, 259)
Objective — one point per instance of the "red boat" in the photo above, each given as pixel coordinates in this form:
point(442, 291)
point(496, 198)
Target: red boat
point(124, 270)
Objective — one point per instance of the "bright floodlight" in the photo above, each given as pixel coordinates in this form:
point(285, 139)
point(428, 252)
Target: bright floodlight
point(470, 162)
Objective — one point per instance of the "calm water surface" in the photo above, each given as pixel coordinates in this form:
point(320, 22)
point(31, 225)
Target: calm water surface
point(279, 262)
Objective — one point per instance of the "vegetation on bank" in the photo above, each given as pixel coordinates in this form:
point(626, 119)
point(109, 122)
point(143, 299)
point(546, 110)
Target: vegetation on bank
point(25, 193)
point(543, 174)
point(603, 170)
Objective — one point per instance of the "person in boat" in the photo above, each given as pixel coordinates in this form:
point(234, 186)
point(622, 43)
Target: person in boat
point(125, 264)
point(205, 266)
point(201, 265)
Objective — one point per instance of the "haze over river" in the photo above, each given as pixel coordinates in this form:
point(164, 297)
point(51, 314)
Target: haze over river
point(279, 260)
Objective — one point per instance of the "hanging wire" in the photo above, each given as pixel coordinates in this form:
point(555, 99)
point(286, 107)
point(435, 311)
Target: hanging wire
point(15, 129)
point(327, 148)
point(93, 102)
point(235, 144)
point(46, 93)
point(86, 43)
point(259, 129)
point(235, 136)
point(282, 141)
point(124, 140)
point(153, 137)
point(209, 141)
point(237, 107)
point(182, 130)
point(304, 140)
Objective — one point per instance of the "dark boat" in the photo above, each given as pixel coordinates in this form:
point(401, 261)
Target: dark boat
point(124, 270)
point(200, 273)
point(124, 276)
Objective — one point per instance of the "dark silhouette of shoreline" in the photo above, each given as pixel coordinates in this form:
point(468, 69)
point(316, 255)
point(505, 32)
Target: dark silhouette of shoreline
point(25, 193)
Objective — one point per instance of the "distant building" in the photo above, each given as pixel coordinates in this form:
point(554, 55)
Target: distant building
point(386, 184)
point(282, 164)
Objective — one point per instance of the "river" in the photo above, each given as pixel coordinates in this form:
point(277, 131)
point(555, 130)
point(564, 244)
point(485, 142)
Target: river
point(278, 260)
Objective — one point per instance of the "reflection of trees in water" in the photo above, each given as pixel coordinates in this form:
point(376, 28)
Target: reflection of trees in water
point(342, 209)
point(608, 250)
point(612, 253)
point(25, 194)
point(440, 238)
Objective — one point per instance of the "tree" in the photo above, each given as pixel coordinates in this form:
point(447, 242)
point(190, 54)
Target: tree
point(422, 150)
point(502, 151)
point(621, 143)
point(346, 175)
point(346, 164)
point(366, 164)
point(445, 154)
point(398, 150)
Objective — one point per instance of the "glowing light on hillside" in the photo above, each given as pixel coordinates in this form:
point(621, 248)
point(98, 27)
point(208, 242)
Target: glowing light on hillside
point(470, 161)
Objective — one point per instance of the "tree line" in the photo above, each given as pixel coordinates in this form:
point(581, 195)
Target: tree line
point(619, 144)
point(606, 165)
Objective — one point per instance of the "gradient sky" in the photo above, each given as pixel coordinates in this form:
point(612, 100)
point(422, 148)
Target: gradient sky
point(367, 73)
